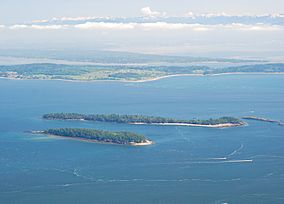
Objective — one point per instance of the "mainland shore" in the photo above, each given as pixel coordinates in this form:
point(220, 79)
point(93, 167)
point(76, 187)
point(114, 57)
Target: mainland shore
point(151, 79)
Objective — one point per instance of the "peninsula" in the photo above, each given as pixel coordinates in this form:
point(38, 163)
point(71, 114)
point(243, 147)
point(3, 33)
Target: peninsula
point(150, 120)
point(263, 120)
point(98, 136)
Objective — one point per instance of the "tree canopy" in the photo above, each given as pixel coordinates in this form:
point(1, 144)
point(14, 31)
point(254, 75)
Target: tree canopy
point(137, 119)
point(98, 135)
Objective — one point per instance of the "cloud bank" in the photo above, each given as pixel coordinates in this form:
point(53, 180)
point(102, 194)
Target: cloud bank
point(147, 12)
point(154, 20)
point(152, 26)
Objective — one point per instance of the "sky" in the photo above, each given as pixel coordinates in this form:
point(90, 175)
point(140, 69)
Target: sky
point(26, 10)
point(229, 28)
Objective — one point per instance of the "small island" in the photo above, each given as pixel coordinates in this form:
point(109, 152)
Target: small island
point(98, 136)
point(263, 120)
point(150, 120)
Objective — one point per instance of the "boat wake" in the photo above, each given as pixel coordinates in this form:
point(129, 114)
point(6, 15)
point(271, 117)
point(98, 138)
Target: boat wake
point(236, 151)
point(106, 181)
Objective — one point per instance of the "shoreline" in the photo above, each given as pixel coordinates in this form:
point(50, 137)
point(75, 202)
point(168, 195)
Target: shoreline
point(204, 75)
point(152, 79)
point(164, 77)
point(223, 125)
point(145, 143)
point(247, 73)
point(107, 80)
point(279, 122)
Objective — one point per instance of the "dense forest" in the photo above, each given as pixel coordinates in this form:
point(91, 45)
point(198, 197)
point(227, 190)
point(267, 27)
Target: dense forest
point(137, 119)
point(98, 135)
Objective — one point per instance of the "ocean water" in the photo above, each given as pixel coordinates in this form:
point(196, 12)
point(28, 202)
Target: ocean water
point(185, 165)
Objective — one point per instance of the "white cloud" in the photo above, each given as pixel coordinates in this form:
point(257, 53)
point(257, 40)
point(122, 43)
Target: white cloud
point(204, 28)
point(40, 21)
point(80, 18)
point(154, 26)
point(254, 27)
point(18, 26)
point(49, 27)
point(192, 22)
point(38, 27)
point(2, 26)
point(277, 15)
point(206, 15)
point(149, 17)
point(190, 14)
point(224, 14)
point(147, 12)
point(163, 25)
point(103, 25)
point(211, 15)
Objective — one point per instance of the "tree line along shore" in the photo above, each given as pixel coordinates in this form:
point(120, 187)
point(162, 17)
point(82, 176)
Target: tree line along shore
point(125, 138)
point(140, 119)
point(99, 136)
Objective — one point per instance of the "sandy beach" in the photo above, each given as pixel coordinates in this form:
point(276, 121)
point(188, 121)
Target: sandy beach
point(147, 142)
point(224, 125)
point(152, 79)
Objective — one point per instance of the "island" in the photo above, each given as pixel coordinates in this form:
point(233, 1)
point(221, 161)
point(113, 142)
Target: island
point(98, 136)
point(263, 120)
point(150, 120)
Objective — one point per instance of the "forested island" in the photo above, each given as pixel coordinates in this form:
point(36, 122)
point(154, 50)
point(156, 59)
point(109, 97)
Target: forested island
point(100, 136)
point(152, 120)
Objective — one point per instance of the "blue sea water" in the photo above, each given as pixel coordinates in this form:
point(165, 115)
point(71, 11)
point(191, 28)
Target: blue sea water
point(185, 165)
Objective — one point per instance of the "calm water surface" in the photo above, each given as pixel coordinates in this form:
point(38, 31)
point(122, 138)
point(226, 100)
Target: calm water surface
point(186, 164)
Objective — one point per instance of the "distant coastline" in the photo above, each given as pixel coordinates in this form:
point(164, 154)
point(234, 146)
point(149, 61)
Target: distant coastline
point(149, 79)
point(204, 75)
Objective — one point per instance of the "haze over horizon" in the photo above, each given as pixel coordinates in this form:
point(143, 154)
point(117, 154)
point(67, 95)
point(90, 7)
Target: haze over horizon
point(227, 29)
